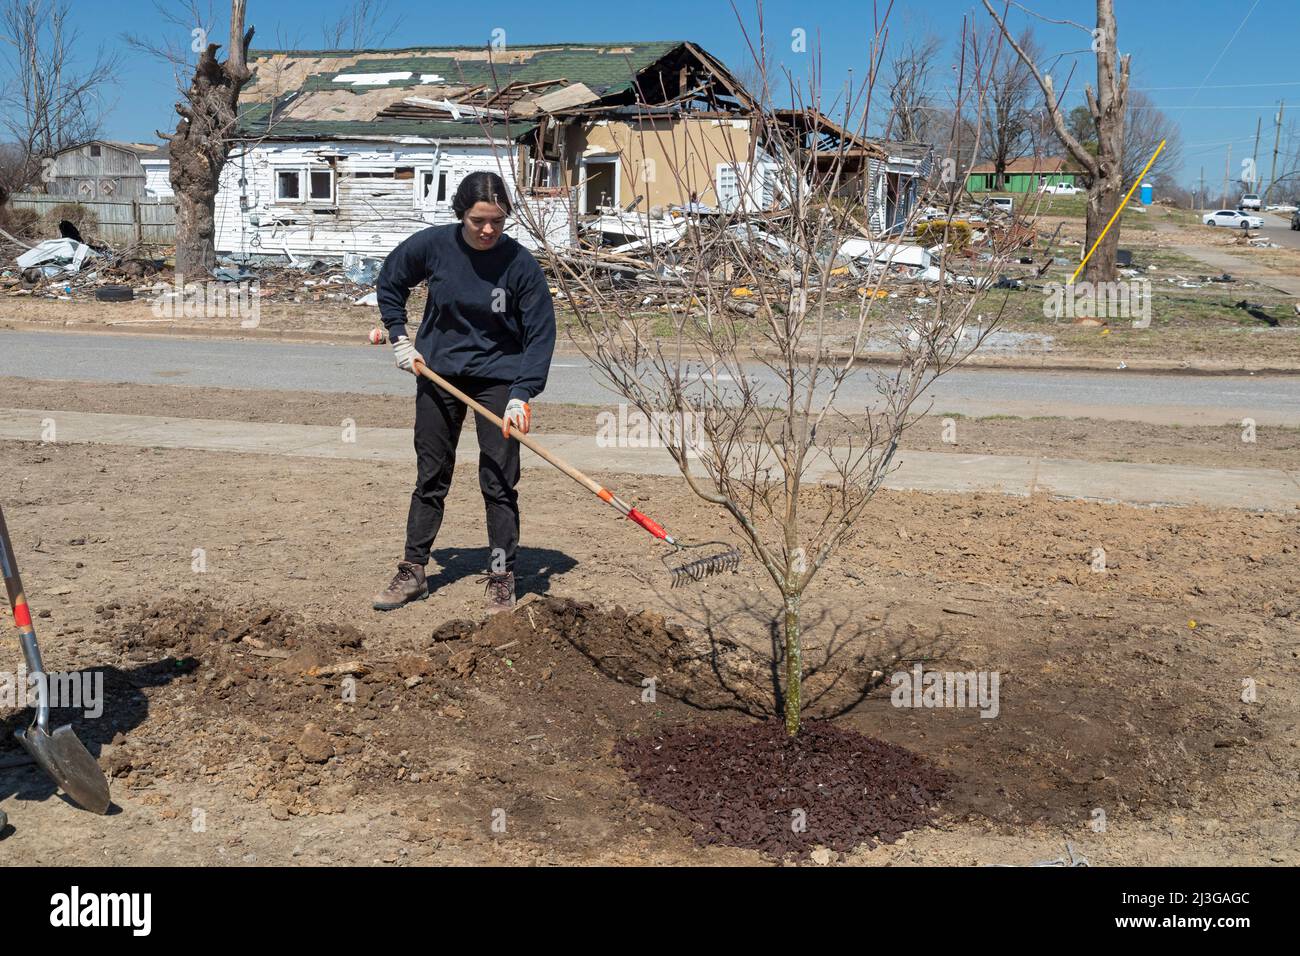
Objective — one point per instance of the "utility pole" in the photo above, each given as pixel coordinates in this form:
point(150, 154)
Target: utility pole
point(1227, 167)
point(1277, 137)
point(1254, 157)
point(1201, 195)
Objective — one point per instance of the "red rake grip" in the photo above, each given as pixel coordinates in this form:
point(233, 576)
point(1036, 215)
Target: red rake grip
point(648, 523)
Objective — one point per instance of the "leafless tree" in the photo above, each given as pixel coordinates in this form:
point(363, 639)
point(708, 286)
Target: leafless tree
point(912, 104)
point(364, 23)
point(1104, 168)
point(1010, 108)
point(1144, 129)
point(48, 100)
point(736, 334)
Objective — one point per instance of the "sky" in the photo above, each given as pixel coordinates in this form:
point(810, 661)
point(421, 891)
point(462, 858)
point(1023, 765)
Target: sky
point(1215, 66)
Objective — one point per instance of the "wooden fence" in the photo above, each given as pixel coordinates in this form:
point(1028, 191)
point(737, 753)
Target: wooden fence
point(122, 222)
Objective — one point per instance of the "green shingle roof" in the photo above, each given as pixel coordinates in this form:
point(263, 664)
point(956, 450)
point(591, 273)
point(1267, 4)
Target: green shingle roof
point(605, 67)
point(252, 123)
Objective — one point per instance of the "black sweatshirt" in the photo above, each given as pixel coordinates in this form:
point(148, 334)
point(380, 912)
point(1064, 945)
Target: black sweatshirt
point(489, 312)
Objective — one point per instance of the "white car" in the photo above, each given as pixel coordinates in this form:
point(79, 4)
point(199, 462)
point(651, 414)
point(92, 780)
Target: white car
point(1230, 217)
point(1061, 189)
point(1249, 201)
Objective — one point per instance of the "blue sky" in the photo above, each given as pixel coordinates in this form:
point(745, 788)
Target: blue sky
point(1216, 66)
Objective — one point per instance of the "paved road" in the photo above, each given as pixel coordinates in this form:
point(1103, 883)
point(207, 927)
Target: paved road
point(1124, 396)
point(1278, 228)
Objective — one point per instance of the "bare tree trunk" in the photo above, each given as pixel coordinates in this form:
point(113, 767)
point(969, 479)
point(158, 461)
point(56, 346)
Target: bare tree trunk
point(199, 146)
point(793, 666)
point(1103, 199)
point(195, 231)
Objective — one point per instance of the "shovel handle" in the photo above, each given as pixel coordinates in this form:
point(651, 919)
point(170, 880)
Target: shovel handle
point(13, 583)
point(22, 617)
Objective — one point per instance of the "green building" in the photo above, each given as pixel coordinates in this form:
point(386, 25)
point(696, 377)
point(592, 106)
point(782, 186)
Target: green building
point(1025, 175)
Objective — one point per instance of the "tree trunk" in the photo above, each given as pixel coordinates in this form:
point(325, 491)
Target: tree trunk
point(793, 666)
point(1103, 200)
point(196, 235)
point(207, 127)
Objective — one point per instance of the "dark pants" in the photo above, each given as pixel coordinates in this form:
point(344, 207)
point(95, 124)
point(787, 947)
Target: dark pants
point(438, 420)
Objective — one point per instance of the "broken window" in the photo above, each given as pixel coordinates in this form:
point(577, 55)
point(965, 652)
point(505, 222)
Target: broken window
point(546, 174)
point(432, 187)
point(288, 185)
point(322, 185)
point(94, 149)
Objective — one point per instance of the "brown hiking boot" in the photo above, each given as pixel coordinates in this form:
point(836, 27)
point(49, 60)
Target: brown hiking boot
point(500, 592)
point(408, 585)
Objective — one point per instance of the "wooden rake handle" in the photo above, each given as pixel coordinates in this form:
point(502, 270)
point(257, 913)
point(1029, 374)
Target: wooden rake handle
point(597, 489)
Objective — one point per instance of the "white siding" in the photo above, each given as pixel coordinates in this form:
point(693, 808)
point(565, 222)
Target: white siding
point(157, 185)
point(369, 215)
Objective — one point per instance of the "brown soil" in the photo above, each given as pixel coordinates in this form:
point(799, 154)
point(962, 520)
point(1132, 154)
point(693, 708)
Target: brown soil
point(1121, 692)
point(1080, 438)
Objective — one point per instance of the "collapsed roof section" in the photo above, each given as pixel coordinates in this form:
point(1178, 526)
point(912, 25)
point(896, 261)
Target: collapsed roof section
point(474, 93)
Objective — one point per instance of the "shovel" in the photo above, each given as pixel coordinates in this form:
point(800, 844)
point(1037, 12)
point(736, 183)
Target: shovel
point(60, 754)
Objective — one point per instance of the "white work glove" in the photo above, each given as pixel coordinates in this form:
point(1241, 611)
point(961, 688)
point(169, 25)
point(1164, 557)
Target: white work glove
point(518, 416)
point(405, 354)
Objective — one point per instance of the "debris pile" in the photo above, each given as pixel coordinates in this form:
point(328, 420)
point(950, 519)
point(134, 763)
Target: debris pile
point(665, 257)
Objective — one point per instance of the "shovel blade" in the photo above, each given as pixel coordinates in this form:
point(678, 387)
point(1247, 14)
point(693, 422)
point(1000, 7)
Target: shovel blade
point(69, 764)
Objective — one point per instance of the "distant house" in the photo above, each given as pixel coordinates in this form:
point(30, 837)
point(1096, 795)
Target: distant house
point(102, 169)
point(350, 151)
point(887, 176)
point(1025, 175)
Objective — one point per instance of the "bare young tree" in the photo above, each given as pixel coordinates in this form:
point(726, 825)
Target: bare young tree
point(1104, 168)
point(737, 335)
point(48, 100)
point(364, 23)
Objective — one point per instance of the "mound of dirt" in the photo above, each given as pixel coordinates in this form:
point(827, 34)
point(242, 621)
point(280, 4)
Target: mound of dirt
point(750, 785)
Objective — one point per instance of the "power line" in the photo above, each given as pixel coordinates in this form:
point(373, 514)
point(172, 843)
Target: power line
point(1215, 65)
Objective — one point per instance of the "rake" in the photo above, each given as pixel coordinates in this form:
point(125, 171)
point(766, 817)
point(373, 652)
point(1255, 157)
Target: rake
point(695, 569)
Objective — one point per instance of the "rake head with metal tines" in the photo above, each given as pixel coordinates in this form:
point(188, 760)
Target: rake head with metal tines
point(700, 568)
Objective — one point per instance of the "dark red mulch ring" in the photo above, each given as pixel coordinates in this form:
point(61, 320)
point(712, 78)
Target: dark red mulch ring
point(740, 785)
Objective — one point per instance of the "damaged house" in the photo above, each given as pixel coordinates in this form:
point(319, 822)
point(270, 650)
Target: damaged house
point(889, 177)
point(352, 151)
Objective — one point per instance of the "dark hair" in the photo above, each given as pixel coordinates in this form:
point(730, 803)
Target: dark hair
point(480, 187)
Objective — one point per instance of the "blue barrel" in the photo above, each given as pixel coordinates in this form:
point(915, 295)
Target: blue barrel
point(1146, 194)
